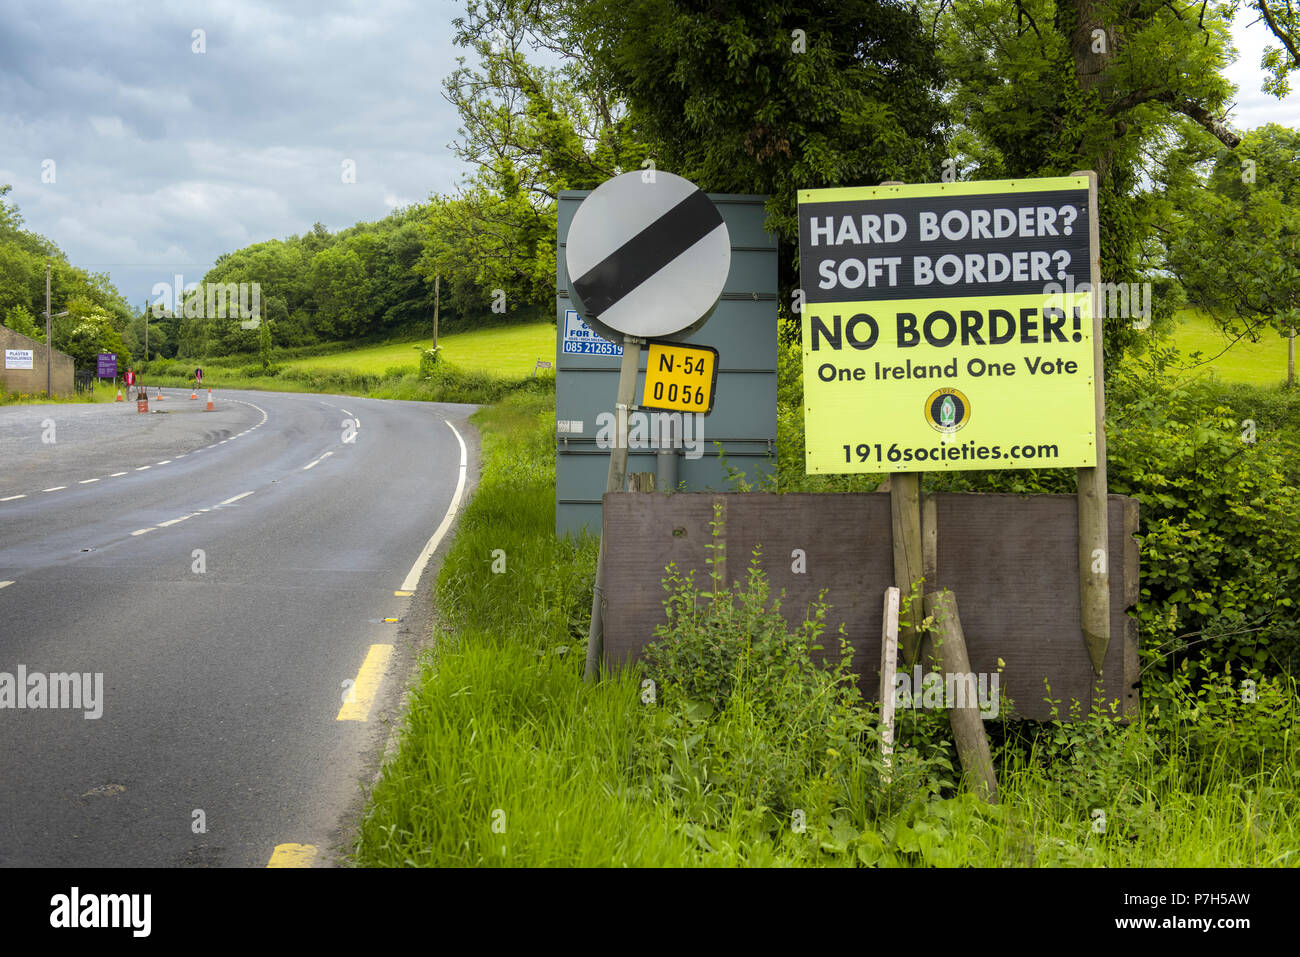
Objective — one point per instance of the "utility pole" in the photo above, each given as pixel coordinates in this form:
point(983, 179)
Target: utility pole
point(1290, 345)
point(437, 290)
point(146, 331)
point(49, 375)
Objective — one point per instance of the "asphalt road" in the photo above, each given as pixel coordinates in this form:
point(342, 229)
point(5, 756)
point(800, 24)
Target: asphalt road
point(228, 574)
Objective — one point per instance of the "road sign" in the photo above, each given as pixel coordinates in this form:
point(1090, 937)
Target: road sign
point(106, 365)
point(648, 255)
point(580, 340)
point(742, 425)
point(680, 378)
point(948, 326)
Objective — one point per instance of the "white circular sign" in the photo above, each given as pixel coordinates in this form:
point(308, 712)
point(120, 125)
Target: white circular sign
point(647, 259)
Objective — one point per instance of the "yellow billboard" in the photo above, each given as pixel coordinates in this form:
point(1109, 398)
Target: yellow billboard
point(948, 326)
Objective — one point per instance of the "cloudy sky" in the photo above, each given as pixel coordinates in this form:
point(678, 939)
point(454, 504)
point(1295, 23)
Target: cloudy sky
point(164, 157)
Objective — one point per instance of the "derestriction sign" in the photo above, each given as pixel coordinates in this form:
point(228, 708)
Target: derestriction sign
point(948, 326)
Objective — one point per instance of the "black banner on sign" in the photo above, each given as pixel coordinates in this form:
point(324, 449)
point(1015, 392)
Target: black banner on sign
point(978, 246)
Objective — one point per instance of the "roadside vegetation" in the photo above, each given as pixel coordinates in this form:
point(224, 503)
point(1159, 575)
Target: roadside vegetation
point(477, 366)
point(745, 752)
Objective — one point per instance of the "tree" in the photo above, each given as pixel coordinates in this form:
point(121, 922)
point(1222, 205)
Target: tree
point(1282, 18)
point(92, 333)
point(24, 323)
point(1047, 87)
point(1236, 246)
point(774, 96)
point(528, 132)
point(338, 277)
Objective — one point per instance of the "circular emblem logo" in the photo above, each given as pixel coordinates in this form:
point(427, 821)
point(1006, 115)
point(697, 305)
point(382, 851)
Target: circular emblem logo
point(947, 411)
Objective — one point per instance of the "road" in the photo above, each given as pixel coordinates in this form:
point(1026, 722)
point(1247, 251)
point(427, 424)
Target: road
point(227, 573)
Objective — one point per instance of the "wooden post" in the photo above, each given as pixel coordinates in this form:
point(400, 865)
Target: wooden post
point(615, 482)
point(888, 671)
point(967, 726)
point(1290, 358)
point(905, 512)
point(49, 374)
point(1094, 560)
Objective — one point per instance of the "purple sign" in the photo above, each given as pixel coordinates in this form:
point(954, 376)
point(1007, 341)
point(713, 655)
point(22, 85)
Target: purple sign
point(107, 365)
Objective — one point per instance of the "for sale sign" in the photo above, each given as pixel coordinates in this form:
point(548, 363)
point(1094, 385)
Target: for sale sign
point(948, 326)
point(580, 340)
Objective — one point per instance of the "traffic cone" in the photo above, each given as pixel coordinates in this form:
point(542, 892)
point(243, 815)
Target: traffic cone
point(195, 393)
point(119, 396)
point(159, 395)
point(209, 408)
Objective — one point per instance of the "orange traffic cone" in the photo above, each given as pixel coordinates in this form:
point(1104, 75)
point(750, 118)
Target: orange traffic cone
point(195, 393)
point(209, 408)
point(159, 395)
point(119, 396)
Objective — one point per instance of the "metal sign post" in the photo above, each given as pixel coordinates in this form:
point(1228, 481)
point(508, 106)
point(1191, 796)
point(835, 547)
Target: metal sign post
point(616, 481)
point(648, 257)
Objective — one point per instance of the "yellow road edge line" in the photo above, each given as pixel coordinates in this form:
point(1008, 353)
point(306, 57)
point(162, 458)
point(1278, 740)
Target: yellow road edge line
point(367, 684)
point(292, 855)
point(403, 594)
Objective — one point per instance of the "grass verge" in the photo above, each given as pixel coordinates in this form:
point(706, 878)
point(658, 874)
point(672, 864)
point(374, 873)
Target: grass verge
point(101, 392)
point(507, 758)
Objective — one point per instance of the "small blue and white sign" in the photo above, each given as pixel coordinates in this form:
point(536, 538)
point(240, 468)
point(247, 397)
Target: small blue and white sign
point(579, 340)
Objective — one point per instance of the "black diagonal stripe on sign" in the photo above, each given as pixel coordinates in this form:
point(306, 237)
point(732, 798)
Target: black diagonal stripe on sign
point(647, 252)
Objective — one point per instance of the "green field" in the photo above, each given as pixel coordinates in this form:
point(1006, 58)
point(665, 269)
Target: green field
point(502, 350)
point(1258, 363)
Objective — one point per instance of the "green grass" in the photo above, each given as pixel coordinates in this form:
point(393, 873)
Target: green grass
point(510, 351)
point(478, 366)
point(501, 727)
point(1257, 363)
point(507, 758)
point(103, 392)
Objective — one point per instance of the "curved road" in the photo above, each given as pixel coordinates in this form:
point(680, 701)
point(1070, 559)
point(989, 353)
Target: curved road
point(228, 573)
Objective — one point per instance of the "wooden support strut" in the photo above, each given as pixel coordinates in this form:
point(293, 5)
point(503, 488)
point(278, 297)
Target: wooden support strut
point(1094, 558)
point(967, 727)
